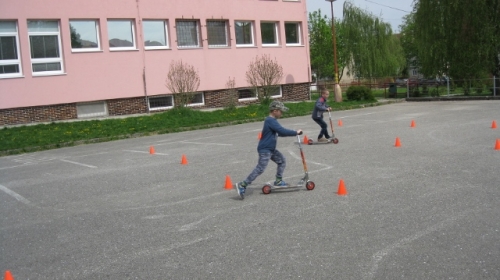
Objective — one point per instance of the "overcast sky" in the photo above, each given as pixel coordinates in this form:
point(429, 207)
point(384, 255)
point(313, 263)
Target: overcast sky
point(390, 11)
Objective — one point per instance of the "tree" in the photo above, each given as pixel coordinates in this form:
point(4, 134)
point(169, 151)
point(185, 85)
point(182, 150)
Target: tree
point(407, 40)
point(321, 45)
point(264, 74)
point(458, 38)
point(232, 94)
point(183, 81)
point(372, 49)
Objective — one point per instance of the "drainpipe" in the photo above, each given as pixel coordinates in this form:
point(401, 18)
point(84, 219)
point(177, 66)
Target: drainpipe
point(141, 37)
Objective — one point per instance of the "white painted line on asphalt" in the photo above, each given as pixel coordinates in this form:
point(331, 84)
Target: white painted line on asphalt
point(211, 136)
point(193, 225)
point(144, 152)
point(90, 155)
point(380, 255)
point(15, 195)
point(77, 163)
point(206, 143)
point(9, 167)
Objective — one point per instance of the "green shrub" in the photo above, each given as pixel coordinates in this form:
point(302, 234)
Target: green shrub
point(359, 93)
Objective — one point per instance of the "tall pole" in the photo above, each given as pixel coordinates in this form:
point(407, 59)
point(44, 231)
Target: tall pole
point(338, 90)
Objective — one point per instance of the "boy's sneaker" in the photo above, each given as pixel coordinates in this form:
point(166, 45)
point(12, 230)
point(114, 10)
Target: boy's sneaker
point(280, 184)
point(322, 140)
point(241, 190)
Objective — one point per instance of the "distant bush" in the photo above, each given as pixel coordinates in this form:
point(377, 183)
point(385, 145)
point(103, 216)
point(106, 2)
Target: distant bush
point(359, 93)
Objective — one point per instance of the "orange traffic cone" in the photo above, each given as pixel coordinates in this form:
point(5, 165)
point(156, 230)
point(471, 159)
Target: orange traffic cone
point(494, 124)
point(305, 140)
point(340, 122)
point(229, 184)
point(412, 123)
point(497, 145)
point(341, 190)
point(152, 150)
point(259, 136)
point(184, 160)
point(398, 142)
point(8, 276)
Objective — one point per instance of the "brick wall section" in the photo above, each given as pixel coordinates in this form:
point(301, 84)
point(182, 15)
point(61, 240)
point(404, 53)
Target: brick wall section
point(129, 106)
point(38, 114)
point(291, 92)
point(296, 92)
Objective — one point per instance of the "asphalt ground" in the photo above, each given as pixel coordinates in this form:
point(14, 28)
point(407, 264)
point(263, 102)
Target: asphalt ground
point(428, 209)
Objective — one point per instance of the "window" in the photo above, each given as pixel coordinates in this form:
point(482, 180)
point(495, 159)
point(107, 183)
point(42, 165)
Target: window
point(276, 92)
point(10, 64)
point(269, 33)
point(244, 33)
point(121, 34)
point(45, 47)
point(155, 34)
point(292, 33)
point(217, 33)
point(161, 102)
point(247, 94)
point(84, 35)
point(92, 109)
point(198, 99)
point(188, 34)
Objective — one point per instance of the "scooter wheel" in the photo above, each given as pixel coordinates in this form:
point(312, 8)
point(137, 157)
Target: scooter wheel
point(266, 189)
point(309, 142)
point(335, 141)
point(310, 185)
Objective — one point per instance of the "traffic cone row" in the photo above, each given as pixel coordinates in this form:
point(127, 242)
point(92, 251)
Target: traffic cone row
point(412, 124)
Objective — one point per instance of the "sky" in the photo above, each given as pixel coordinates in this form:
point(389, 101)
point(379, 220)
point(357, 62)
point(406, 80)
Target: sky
point(389, 11)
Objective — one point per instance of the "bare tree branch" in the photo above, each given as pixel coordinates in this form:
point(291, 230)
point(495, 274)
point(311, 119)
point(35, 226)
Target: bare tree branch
point(265, 75)
point(183, 81)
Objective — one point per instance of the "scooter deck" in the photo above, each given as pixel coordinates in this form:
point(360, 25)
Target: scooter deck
point(318, 143)
point(312, 142)
point(273, 187)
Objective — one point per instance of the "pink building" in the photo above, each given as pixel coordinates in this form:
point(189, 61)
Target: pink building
point(63, 59)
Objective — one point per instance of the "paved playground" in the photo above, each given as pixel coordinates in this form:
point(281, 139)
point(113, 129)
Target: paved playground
point(428, 209)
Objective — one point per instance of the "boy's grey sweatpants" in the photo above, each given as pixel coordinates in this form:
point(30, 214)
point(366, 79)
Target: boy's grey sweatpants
point(264, 158)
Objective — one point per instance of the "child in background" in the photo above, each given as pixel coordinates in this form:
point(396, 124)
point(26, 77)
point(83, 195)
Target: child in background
point(317, 115)
point(267, 148)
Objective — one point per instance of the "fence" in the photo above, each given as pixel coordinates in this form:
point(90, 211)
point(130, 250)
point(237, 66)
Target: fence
point(406, 88)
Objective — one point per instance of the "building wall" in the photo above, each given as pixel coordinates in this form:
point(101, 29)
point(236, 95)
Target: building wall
point(116, 76)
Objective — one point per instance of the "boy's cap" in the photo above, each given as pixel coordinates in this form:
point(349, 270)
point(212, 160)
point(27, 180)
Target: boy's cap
point(276, 105)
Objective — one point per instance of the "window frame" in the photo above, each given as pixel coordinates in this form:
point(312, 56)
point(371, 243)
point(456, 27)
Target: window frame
point(252, 89)
point(198, 33)
point(298, 28)
point(280, 94)
point(97, 34)
point(165, 30)
point(80, 108)
point(275, 31)
point(58, 59)
point(132, 32)
point(226, 33)
point(190, 104)
point(171, 97)
point(252, 33)
point(18, 54)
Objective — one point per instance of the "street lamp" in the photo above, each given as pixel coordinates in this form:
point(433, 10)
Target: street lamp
point(338, 90)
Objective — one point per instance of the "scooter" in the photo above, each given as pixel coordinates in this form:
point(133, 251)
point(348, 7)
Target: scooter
point(333, 140)
point(304, 182)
